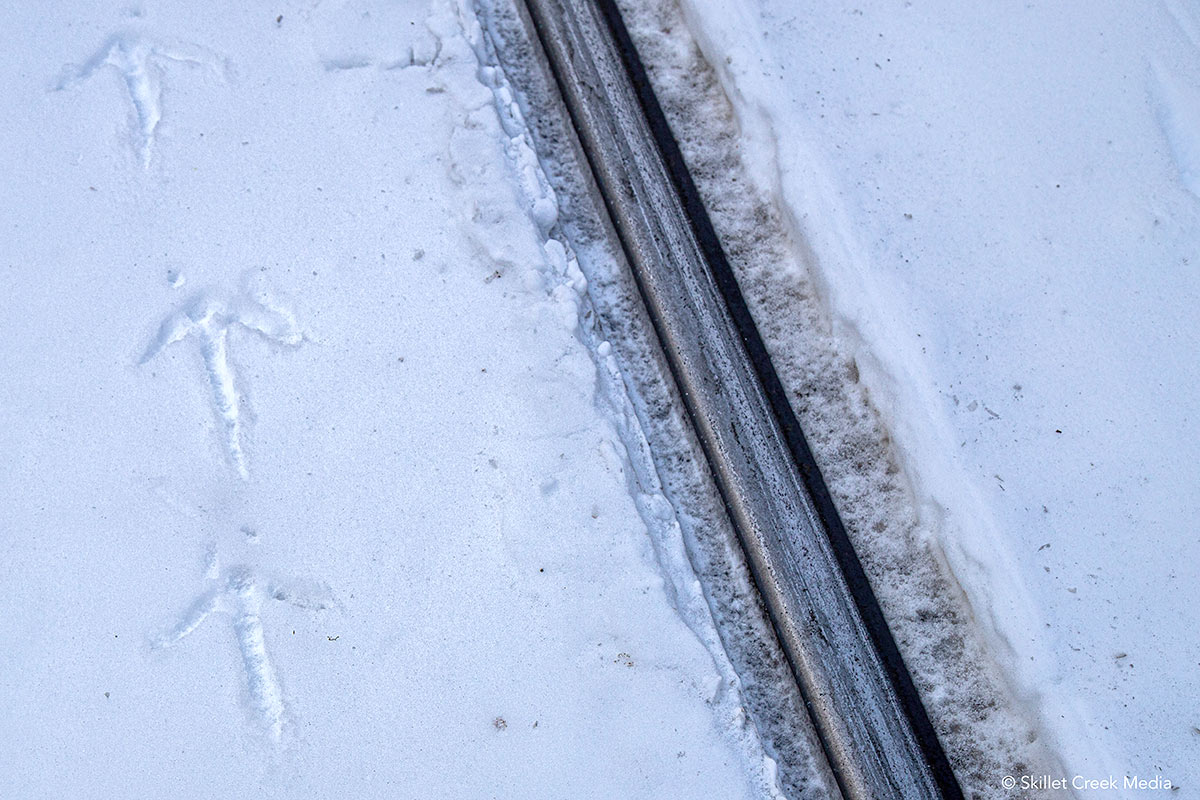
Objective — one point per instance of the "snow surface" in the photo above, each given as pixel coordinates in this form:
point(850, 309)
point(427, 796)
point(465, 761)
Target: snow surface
point(316, 484)
point(1001, 209)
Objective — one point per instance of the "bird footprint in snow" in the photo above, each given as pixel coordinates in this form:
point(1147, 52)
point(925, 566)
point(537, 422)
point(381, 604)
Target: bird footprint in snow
point(241, 593)
point(208, 319)
point(139, 60)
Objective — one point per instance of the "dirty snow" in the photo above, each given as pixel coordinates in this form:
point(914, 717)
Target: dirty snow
point(999, 208)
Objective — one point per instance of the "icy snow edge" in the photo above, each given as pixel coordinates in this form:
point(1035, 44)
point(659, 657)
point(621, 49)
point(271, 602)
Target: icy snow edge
point(568, 287)
point(867, 326)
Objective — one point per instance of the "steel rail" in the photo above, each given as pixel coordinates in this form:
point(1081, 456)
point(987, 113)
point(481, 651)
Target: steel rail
point(868, 715)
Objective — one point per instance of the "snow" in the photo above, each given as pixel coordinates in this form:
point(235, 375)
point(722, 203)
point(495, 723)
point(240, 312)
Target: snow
point(999, 209)
point(986, 730)
point(664, 451)
point(318, 482)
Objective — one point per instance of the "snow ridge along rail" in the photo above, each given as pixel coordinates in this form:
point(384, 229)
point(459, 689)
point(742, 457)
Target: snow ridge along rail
point(875, 732)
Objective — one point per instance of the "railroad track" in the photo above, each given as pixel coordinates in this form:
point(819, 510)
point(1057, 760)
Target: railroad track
point(873, 729)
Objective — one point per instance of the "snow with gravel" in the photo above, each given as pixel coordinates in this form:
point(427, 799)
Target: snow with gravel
point(1000, 206)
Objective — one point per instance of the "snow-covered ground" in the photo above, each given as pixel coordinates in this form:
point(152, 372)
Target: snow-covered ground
point(314, 484)
point(1003, 211)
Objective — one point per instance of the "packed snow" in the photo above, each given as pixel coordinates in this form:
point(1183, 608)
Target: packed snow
point(317, 482)
point(1000, 210)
